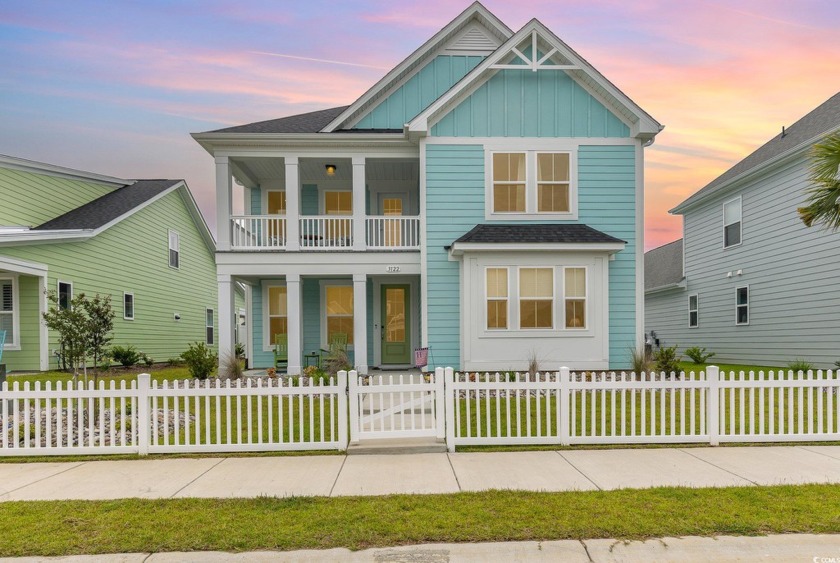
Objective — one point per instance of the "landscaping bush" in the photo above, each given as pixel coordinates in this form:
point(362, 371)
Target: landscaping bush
point(147, 360)
point(640, 360)
point(799, 364)
point(698, 355)
point(232, 367)
point(337, 360)
point(200, 360)
point(126, 356)
point(239, 350)
point(666, 359)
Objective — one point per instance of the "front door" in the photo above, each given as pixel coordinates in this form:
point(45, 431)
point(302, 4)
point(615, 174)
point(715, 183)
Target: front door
point(396, 324)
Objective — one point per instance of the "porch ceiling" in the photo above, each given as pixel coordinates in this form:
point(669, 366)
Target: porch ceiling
point(312, 169)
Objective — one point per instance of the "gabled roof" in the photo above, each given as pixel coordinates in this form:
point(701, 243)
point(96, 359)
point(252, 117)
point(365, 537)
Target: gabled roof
point(642, 125)
point(536, 234)
point(664, 266)
point(311, 122)
point(25, 165)
point(805, 132)
point(475, 12)
point(108, 207)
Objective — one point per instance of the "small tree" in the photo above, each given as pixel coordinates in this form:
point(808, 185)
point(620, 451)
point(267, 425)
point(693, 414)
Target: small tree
point(99, 324)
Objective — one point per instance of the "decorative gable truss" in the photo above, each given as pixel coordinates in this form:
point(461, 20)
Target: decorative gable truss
point(536, 48)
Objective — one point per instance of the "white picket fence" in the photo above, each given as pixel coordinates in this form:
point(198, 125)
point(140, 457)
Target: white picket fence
point(618, 408)
point(178, 416)
point(557, 408)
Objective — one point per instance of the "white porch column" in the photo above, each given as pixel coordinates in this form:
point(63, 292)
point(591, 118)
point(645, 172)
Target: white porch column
point(295, 321)
point(360, 322)
point(359, 189)
point(226, 317)
point(292, 207)
point(43, 333)
point(224, 195)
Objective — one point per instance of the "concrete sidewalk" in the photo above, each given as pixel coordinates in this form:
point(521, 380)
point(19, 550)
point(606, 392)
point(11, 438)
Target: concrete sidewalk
point(421, 473)
point(776, 548)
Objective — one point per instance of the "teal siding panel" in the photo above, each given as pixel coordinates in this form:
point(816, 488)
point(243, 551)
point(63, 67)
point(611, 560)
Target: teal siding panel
point(418, 92)
point(311, 296)
point(309, 199)
point(256, 201)
point(260, 359)
point(522, 103)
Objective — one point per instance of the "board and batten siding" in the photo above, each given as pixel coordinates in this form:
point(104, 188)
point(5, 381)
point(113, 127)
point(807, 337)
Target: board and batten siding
point(791, 271)
point(30, 199)
point(133, 256)
point(423, 88)
point(522, 103)
point(455, 191)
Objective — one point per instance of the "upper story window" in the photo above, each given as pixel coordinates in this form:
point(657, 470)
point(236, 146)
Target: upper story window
point(174, 250)
point(9, 310)
point(338, 203)
point(526, 184)
point(732, 223)
point(65, 294)
point(276, 202)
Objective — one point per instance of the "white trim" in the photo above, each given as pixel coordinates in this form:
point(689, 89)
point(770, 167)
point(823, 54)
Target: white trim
point(22, 164)
point(740, 221)
point(747, 305)
point(322, 298)
point(16, 345)
point(133, 303)
point(696, 310)
point(23, 266)
point(666, 287)
point(535, 143)
point(265, 285)
point(424, 251)
point(170, 248)
point(210, 326)
point(460, 248)
point(640, 246)
point(43, 331)
point(249, 312)
point(58, 292)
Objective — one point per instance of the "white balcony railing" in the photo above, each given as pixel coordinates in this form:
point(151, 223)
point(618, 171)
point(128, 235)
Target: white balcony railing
point(389, 232)
point(334, 232)
point(258, 232)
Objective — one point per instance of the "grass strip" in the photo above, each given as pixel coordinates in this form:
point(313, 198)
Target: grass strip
point(134, 525)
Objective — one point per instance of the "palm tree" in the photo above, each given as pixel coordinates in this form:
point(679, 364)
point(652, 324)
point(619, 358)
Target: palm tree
point(823, 204)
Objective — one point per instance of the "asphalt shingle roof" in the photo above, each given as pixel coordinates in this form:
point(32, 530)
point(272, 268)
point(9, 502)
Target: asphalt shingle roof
point(529, 234)
point(664, 265)
point(105, 209)
point(822, 119)
point(310, 122)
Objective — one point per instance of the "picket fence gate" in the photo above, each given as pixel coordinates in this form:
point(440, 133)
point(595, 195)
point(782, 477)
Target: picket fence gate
point(555, 408)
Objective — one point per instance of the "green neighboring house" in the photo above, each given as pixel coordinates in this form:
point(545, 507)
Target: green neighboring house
point(143, 242)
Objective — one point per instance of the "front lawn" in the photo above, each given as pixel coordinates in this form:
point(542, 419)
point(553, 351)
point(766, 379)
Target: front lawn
point(134, 525)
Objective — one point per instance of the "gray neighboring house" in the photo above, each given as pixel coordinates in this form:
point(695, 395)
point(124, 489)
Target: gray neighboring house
point(748, 280)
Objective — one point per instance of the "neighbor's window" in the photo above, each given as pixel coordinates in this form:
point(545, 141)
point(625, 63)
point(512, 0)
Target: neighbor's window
point(536, 297)
point(276, 202)
point(575, 297)
point(732, 223)
point(693, 311)
point(553, 182)
point(277, 312)
point(174, 250)
point(339, 308)
point(509, 182)
point(128, 306)
point(497, 298)
point(8, 311)
point(65, 295)
point(742, 306)
point(208, 325)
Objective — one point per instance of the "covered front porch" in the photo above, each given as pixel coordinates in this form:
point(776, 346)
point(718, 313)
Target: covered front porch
point(23, 301)
point(378, 313)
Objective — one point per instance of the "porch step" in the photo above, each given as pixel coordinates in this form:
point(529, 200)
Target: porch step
point(397, 446)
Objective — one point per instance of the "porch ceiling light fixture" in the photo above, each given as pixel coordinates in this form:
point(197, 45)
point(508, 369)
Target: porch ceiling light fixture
point(330, 169)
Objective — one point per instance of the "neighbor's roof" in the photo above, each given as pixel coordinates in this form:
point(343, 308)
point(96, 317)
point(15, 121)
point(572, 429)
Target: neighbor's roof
point(820, 121)
point(109, 207)
point(531, 234)
point(311, 122)
point(664, 265)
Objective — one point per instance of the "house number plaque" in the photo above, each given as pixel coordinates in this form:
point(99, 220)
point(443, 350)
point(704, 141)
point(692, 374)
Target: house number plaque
point(393, 269)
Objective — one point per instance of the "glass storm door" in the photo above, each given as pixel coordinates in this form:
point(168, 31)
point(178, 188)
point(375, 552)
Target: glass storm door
point(396, 336)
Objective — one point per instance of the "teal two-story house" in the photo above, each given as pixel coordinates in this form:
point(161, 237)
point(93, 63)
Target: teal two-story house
point(484, 200)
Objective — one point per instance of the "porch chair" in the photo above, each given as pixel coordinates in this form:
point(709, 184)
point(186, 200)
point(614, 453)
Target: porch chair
point(338, 343)
point(281, 351)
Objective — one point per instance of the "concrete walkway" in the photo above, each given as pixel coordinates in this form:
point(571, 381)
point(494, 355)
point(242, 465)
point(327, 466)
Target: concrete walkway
point(335, 475)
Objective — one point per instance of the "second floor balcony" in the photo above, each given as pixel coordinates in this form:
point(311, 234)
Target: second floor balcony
point(325, 233)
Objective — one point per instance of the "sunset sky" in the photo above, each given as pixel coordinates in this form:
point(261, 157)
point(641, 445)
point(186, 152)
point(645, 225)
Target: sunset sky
point(116, 87)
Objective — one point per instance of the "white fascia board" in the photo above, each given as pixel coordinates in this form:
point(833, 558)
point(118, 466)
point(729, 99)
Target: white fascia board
point(476, 10)
point(23, 266)
point(460, 248)
point(667, 287)
point(747, 175)
point(646, 127)
point(24, 165)
point(211, 142)
point(38, 237)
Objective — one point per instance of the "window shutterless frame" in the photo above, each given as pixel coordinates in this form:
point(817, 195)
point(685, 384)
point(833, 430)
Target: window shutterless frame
point(10, 311)
point(742, 305)
point(209, 336)
point(128, 306)
point(65, 294)
point(733, 224)
point(693, 310)
point(174, 250)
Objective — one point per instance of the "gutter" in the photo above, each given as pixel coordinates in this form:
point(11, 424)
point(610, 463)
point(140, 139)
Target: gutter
point(667, 287)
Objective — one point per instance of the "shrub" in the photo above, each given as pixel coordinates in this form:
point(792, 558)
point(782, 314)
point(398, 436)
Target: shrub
point(667, 360)
point(231, 367)
point(337, 360)
point(239, 350)
point(200, 360)
point(126, 356)
point(174, 362)
point(640, 360)
point(800, 364)
point(698, 355)
point(147, 360)
point(533, 364)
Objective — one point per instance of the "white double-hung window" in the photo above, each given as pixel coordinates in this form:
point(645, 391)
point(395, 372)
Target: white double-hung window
point(732, 223)
point(9, 321)
point(529, 184)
